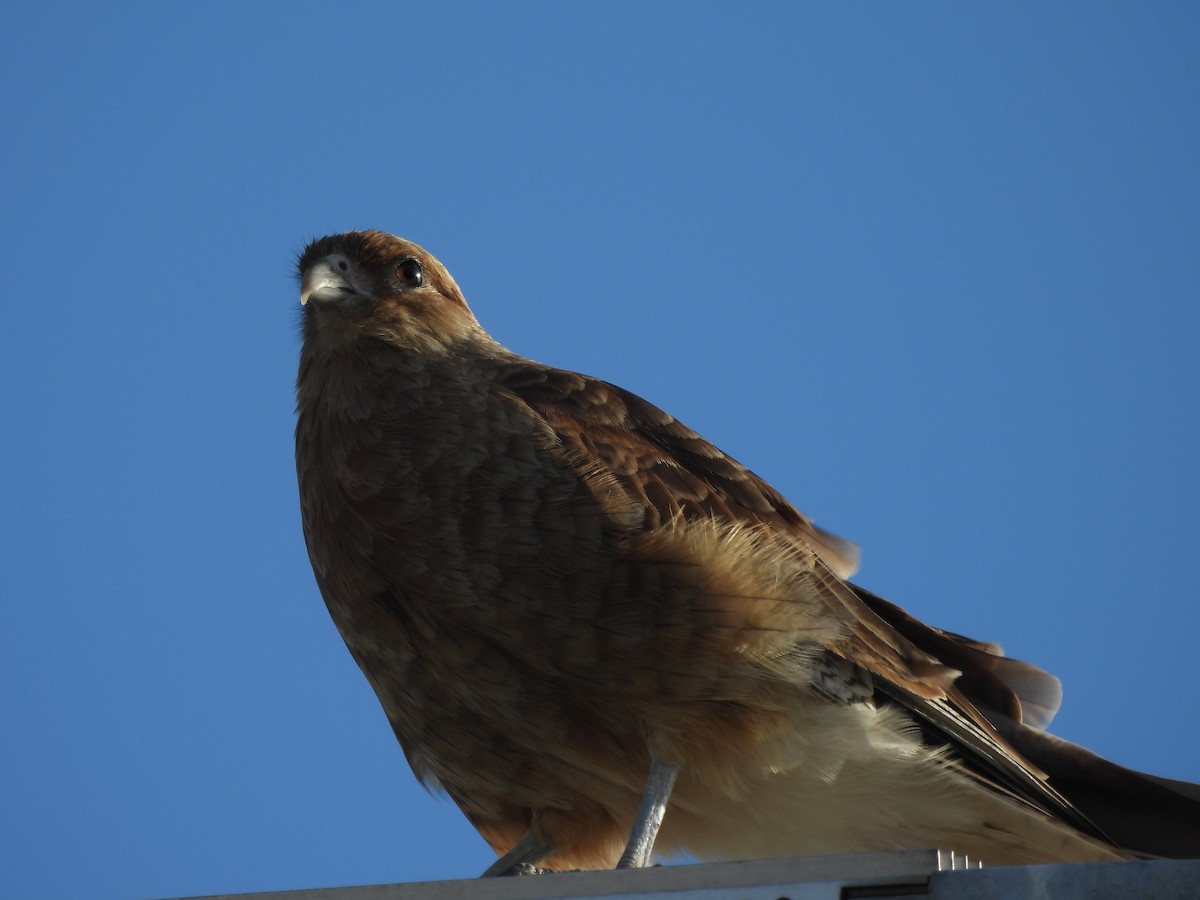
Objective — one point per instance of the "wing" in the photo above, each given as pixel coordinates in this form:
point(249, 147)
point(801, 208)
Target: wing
point(992, 681)
point(674, 472)
point(661, 461)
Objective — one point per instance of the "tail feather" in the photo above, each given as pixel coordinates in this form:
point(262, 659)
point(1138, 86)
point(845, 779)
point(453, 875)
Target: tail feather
point(1146, 814)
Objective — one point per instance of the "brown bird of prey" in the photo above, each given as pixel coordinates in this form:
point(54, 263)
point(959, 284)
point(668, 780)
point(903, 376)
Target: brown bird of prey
point(600, 635)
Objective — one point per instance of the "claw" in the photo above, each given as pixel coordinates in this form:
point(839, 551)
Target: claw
point(520, 860)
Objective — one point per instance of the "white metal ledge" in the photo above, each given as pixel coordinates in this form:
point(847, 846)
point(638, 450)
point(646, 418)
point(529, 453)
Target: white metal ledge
point(933, 874)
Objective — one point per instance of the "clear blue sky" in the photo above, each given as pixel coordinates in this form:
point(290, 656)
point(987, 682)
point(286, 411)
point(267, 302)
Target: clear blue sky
point(930, 269)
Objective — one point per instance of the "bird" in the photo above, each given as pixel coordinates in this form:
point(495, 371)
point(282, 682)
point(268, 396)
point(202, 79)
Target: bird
point(609, 642)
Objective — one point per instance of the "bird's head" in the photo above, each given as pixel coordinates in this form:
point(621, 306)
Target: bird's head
point(372, 285)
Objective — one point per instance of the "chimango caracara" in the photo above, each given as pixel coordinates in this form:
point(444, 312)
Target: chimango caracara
point(600, 635)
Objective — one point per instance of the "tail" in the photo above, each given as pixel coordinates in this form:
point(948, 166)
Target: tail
point(1142, 814)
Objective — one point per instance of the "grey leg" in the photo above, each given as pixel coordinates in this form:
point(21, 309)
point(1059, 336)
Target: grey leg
point(528, 851)
point(650, 815)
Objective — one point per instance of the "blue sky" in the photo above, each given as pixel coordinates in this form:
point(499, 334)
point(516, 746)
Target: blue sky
point(930, 269)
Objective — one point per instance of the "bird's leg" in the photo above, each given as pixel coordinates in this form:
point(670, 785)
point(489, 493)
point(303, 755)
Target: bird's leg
point(649, 815)
point(526, 853)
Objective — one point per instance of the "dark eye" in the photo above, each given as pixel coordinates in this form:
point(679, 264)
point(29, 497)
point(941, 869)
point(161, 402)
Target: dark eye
point(410, 273)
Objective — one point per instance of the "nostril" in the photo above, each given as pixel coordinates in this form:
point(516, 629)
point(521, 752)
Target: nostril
point(343, 265)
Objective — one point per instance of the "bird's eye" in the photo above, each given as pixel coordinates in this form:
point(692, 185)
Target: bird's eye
point(410, 273)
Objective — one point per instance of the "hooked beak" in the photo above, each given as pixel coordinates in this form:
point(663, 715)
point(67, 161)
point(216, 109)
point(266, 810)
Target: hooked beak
point(329, 280)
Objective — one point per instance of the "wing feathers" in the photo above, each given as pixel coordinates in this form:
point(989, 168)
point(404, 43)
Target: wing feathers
point(659, 459)
point(992, 681)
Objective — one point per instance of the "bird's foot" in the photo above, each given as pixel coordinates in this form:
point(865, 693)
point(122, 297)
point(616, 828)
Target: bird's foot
point(520, 860)
point(524, 869)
